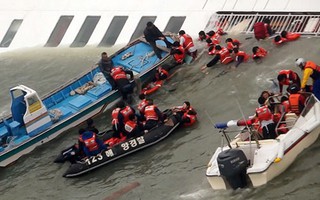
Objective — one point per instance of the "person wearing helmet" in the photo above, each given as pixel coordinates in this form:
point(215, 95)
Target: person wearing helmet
point(310, 69)
point(296, 99)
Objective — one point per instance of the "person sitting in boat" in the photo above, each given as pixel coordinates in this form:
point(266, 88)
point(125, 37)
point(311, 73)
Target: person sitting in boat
point(186, 114)
point(241, 56)
point(105, 65)
point(133, 127)
point(222, 55)
point(258, 53)
point(157, 81)
point(90, 126)
point(187, 42)
point(287, 77)
point(141, 106)
point(92, 145)
point(115, 119)
point(232, 43)
point(119, 75)
point(153, 116)
point(265, 119)
point(178, 53)
point(124, 115)
point(310, 69)
point(296, 99)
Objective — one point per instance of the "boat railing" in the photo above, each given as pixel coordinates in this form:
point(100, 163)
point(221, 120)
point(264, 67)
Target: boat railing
point(305, 24)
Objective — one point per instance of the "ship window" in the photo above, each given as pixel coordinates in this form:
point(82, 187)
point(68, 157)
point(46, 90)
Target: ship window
point(11, 32)
point(34, 103)
point(86, 31)
point(17, 93)
point(59, 31)
point(174, 25)
point(113, 31)
point(141, 26)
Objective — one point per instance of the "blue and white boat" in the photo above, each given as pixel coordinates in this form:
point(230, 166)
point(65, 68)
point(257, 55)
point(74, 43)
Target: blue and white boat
point(34, 120)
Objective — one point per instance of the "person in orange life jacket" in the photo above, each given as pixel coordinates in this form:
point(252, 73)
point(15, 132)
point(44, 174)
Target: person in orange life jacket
point(310, 69)
point(278, 40)
point(157, 81)
point(290, 36)
point(241, 56)
point(178, 53)
point(285, 103)
point(141, 106)
point(265, 118)
point(117, 129)
point(105, 65)
point(153, 116)
point(119, 75)
point(133, 128)
point(263, 29)
point(124, 115)
point(203, 36)
point(152, 34)
point(92, 145)
point(214, 38)
point(90, 126)
point(222, 55)
point(186, 114)
point(258, 53)
point(187, 42)
point(231, 44)
point(296, 99)
point(287, 77)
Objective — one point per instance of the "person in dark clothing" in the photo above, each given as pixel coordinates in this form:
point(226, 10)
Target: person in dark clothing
point(152, 34)
point(91, 127)
point(105, 65)
point(119, 76)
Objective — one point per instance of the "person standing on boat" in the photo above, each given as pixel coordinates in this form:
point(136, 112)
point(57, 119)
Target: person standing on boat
point(310, 69)
point(265, 119)
point(287, 77)
point(119, 76)
point(152, 34)
point(186, 42)
point(105, 65)
point(92, 145)
point(153, 116)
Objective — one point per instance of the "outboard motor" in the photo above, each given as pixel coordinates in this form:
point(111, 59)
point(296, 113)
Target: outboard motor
point(233, 167)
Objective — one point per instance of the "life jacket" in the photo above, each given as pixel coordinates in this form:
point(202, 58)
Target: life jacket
point(264, 113)
point(290, 76)
point(149, 90)
point(292, 36)
point(118, 73)
point(286, 105)
point(126, 112)
point(260, 53)
point(143, 103)
point(230, 46)
point(280, 40)
point(225, 57)
point(282, 129)
point(130, 126)
point(213, 50)
point(90, 143)
point(114, 115)
point(295, 105)
point(179, 57)
point(316, 69)
point(242, 53)
point(161, 72)
point(188, 42)
point(259, 30)
point(150, 113)
point(193, 119)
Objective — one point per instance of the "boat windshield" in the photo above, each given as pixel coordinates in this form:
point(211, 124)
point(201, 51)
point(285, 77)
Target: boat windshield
point(310, 103)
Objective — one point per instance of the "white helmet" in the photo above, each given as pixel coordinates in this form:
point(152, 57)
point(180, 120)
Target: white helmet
point(300, 62)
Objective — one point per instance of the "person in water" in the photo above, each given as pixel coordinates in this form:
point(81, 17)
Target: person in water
point(287, 77)
point(186, 114)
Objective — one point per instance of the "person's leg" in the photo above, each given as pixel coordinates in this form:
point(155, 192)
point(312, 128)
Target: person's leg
point(110, 80)
point(316, 88)
point(156, 50)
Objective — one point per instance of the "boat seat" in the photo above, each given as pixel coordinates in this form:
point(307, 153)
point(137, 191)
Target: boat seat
point(19, 140)
point(290, 119)
point(99, 91)
point(3, 132)
point(1, 149)
point(79, 102)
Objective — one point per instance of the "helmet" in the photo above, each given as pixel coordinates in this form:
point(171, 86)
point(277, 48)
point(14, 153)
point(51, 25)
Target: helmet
point(294, 88)
point(300, 62)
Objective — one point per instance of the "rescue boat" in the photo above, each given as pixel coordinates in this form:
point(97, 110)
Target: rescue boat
point(249, 162)
point(34, 120)
point(124, 148)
